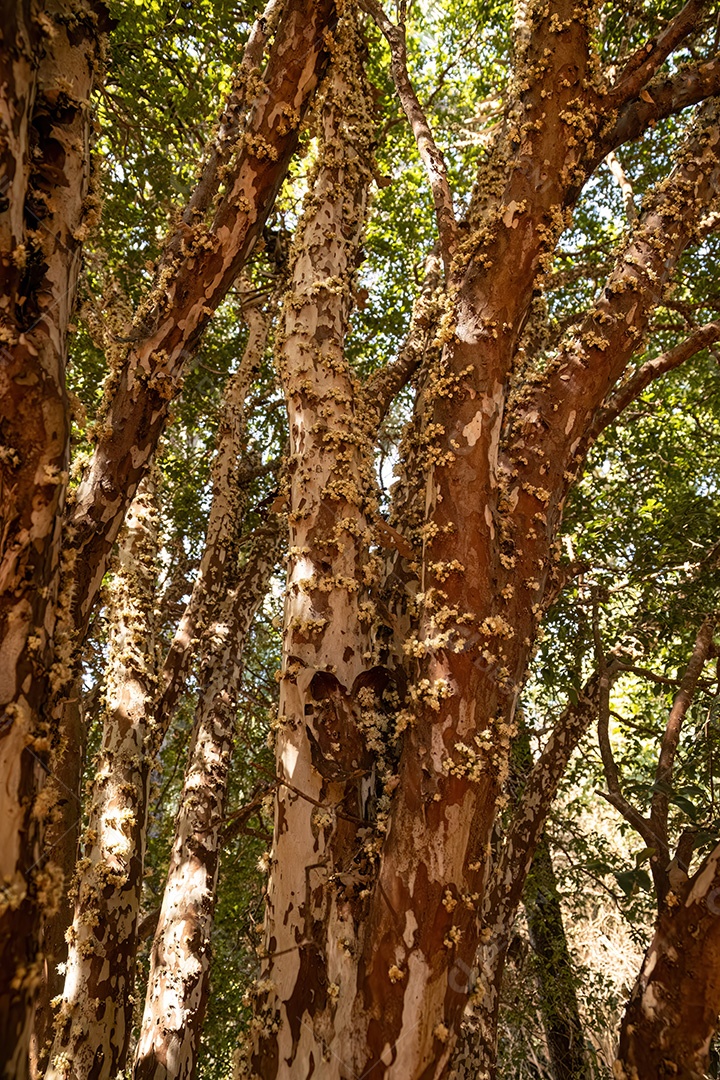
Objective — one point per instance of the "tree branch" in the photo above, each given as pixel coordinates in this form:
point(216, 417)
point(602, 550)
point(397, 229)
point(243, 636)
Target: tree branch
point(528, 821)
point(596, 351)
point(660, 99)
point(640, 379)
point(643, 64)
point(429, 152)
point(383, 385)
point(646, 673)
point(671, 736)
point(227, 497)
point(643, 826)
point(192, 279)
point(230, 126)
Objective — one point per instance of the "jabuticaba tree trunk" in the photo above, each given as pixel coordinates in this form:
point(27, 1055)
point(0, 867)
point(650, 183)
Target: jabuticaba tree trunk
point(226, 512)
point(323, 755)
point(47, 71)
point(556, 978)
point(499, 452)
point(672, 1013)
point(62, 837)
point(474, 638)
point(502, 478)
point(535, 786)
point(94, 1020)
point(178, 983)
point(127, 763)
point(219, 613)
point(200, 264)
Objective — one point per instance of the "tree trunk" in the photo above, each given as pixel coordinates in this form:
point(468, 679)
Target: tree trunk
point(370, 980)
point(47, 77)
point(220, 611)
point(178, 984)
point(61, 838)
point(46, 49)
point(127, 766)
point(328, 719)
point(200, 263)
point(672, 1013)
point(555, 976)
point(533, 792)
point(95, 1016)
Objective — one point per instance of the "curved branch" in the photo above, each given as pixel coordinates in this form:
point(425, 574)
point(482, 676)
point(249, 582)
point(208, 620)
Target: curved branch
point(631, 389)
point(660, 99)
point(234, 113)
point(643, 64)
point(642, 825)
point(383, 385)
point(671, 736)
point(597, 350)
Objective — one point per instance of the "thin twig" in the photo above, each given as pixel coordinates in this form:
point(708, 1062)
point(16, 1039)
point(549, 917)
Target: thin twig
point(673, 727)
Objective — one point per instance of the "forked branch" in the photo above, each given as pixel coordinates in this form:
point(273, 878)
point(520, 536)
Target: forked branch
point(673, 727)
point(383, 385)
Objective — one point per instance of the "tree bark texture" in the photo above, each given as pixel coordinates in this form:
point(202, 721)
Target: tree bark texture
point(201, 262)
point(47, 77)
point(127, 768)
point(62, 838)
point(46, 210)
point(327, 710)
point(672, 1013)
point(222, 607)
point(476, 1050)
point(373, 981)
point(218, 562)
point(94, 1020)
point(389, 780)
point(179, 979)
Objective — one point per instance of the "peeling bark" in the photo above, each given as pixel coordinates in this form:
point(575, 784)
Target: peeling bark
point(499, 446)
point(220, 612)
point(95, 1016)
point(380, 869)
point(200, 263)
point(45, 117)
point(226, 511)
point(178, 984)
point(128, 767)
point(672, 1013)
point(328, 723)
point(62, 838)
point(198, 268)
